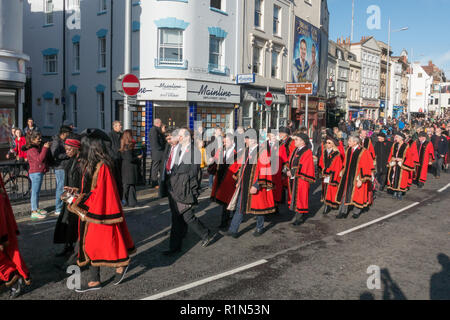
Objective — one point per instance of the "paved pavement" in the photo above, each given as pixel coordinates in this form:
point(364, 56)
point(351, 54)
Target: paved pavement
point(410, 248)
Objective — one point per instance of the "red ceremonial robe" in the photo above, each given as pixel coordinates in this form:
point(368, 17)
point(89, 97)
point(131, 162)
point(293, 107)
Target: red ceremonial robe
point(332, 166)
point(301, 166)
point(414, 154)
point(426, 153)
point(256, 174)
point(358, 164)
point(399, 173)
point(11, 260)
point(341, 149)
point(103, 232)
point(277, 169)
point(225, 179)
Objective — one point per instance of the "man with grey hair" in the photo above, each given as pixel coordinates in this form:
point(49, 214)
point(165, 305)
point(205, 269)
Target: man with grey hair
point(180, 178)
point(355, 179)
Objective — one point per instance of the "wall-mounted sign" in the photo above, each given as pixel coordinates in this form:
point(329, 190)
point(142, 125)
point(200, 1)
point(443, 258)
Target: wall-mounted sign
point(202, 91)
point(163, 90)
point(258, 96)
point(298, 88)
point(245, 78)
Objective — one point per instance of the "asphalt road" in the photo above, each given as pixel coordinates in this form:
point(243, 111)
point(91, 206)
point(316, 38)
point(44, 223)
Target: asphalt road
point(410, 250)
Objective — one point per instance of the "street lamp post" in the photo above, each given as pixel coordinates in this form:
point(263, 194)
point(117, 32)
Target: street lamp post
point(389, 60)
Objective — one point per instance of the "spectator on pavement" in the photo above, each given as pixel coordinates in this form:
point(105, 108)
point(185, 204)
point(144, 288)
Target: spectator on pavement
point(157, 146)
point(60, 160)
point(129, 157)
point(116, 135)
point(36, 154)
point(31, 126)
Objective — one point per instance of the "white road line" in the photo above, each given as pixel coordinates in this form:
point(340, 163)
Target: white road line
point(377, 220)
point(200, 282)
point(43, 222)
point(135, 208)
point(442, 189)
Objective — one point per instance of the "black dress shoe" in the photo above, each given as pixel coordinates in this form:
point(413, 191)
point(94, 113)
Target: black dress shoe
point(399, 196)
point(209, 239)
point(232, 234)
point(16, 289)
point(341, 215)
point(299, 220)
point(171, 252)
point(258, 233)
point(326, 210)
point(357, 214)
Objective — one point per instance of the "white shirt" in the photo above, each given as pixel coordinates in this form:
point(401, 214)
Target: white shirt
point(183, 151)
point(174, 154)
point(228, 152)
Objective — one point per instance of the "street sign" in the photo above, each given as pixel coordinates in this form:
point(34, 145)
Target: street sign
point(268, 99)
point(298, 88)
point(245, 78)
point(131, 100)
point(131, 84)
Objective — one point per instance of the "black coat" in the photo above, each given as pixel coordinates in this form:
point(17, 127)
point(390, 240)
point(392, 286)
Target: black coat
point(157, 143)
point(129, 166)
point(115, 142)
point(183, 180)
point(66, 230)
point(382, 150)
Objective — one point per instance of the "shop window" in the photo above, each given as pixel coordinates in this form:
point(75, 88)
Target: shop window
point(215, 117)
point(7, 111)
point(170, 46)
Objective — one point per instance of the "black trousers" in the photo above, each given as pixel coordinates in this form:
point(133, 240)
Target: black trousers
point(180, 223)
point(94, 274)
point(155, 170)
point(381, 178)
point(129, 194)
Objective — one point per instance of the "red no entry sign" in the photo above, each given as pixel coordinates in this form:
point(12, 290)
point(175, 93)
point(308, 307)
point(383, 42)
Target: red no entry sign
point(268, 99)
point(131, 84)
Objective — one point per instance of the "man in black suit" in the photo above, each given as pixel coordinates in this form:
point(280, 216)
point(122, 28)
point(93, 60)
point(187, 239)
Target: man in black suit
point(116, 135)
point(180, 178)
point(157, 146)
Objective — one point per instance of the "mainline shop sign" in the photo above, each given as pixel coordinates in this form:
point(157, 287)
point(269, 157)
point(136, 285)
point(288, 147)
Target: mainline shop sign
point(213, 92)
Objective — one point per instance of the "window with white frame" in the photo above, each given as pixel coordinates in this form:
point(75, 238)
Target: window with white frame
point(102, 53)
point(48, 11)
point(51, 63)
point(102, 5)
point(257, 56)
point(74, 103)
point(76, 57)
point(101, 109)
point(170, 46)
point(258, 13)
point(275, 63)
point(217, 4)
point(215, 51)
point(276, 19)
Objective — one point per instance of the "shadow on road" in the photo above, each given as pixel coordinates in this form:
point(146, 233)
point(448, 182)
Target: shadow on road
point(440, 282)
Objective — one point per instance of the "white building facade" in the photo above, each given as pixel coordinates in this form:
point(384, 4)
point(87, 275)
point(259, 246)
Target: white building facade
point(420, 90)
point(12, 69)
point(395, 108)
point(76, 49)
point(368, 53)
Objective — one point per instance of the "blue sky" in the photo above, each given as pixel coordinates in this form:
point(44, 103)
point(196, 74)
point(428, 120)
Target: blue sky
point(428, 22)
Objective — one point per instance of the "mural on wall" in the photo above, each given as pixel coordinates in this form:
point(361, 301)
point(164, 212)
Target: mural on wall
point(306, 54)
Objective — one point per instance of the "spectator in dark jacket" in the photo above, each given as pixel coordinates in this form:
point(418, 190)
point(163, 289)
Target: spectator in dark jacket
point(31, 126)
point(114, 145)
point(130, 168)
point(157, 146)
point(60, 161)
point(440, 145)
point(36, 154)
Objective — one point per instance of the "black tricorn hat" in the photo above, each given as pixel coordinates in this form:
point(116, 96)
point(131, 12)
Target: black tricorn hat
point(284, 130)
point(423, 134)
point(96, 134)
point(333, 139)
